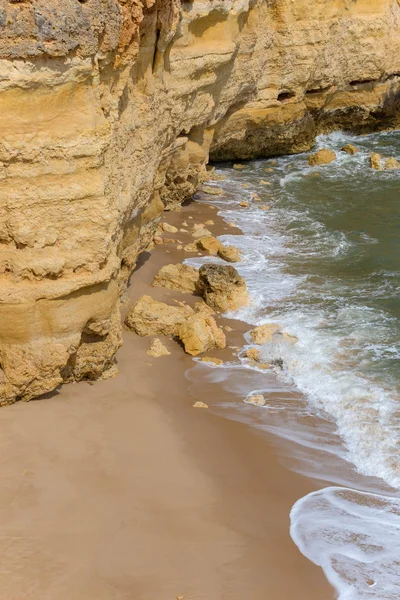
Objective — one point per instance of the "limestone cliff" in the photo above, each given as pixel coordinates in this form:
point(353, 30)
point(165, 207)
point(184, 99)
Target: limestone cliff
point(109, 111)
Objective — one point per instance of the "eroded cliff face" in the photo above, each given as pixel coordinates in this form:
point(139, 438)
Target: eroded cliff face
point(109, 111)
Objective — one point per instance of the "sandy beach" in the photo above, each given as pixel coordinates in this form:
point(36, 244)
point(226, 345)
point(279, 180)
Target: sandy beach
point(121, 490)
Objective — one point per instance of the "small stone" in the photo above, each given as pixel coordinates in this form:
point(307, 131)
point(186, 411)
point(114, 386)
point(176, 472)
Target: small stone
point(183, 230)
point(169, 228)
point(231, 224)
point(256, 399)
point(265, 206)
point(190, 247)
point(214, 361)
point(212, 191)
point(244, 204)
point(350, 149)
point(375, 161)
point(322, 157)
point(179, 247)
point(184, 224)
point(209, 222)
point(263, 182)
point(253, 354)
point(158, 240)
point(255, 197)
point(268, 170)
point(199, 404)
point(227, 328)
point(238, 166)
point(157, 349)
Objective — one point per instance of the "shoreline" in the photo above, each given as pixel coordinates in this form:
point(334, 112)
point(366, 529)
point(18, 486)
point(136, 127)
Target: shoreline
point(121, 489)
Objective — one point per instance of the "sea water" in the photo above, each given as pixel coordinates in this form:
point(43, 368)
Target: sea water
point(321, 257)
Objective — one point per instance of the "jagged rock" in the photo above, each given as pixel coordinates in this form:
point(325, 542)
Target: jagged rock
point(149, 317)
point(211, 359)
point(202, 232)
point(392, 163)
point(350, 149)
point(229, 253)
point(199, 404)
point(209, 244)
point(158, 349)
point(177, 277)
point(200, 333)
point(375, 161)
point(212, 191)
point(322, 157)
point(222, 287)
point(264, 333)
point(169, 228)
point(256, 399)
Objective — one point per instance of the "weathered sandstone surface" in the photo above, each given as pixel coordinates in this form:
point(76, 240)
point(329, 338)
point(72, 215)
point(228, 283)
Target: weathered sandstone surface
point(109, 112)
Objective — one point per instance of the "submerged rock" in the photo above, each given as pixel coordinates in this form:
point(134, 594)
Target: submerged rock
point(375, 161)
point(149, 317)
point(200, 333)
point(222, 287)
point(322, 157)
point(264, 333)
point(256, 399)
point(211, 359)
point(177, 277)
point(392, 163)
point(158, 349)
point(350, 149)
point(212, 191)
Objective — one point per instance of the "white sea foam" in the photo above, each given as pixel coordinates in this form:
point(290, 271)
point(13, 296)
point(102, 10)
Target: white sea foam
point(338, 363)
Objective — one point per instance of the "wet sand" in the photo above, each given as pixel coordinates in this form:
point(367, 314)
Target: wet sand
point(121, 490)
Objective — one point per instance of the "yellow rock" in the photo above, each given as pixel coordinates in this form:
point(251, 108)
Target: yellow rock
point(169, 228)
point(209, 244)
point(211, 359)
point(239, 166)
point(149, 317)
point(256, 399)
point(212, 191)
point(157, 349)
point(200, 333)
point(253, 354)
point(209, 222)
point(375, 161)
point(265, 206)
point(392, 163)
point(264, 333)
point(222, 287)
point(201, 232)
point(229, 253)
point(322, 157)
point(244, 204)
point(190, 247)
point(199, 404)
point(350, 149)
point(201, 307)
point(177, 277)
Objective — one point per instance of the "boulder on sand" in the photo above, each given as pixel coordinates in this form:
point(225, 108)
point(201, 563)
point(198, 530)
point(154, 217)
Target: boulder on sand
point(200, 333)
point(177, 277)
point(322, 157)
point(222, 287)
point(209, 244)
point(149, 317)
point(157, 349)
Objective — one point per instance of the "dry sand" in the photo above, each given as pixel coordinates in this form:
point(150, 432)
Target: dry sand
point(122, 490)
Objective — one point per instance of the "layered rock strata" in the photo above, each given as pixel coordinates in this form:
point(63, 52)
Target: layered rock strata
point(109, 111)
